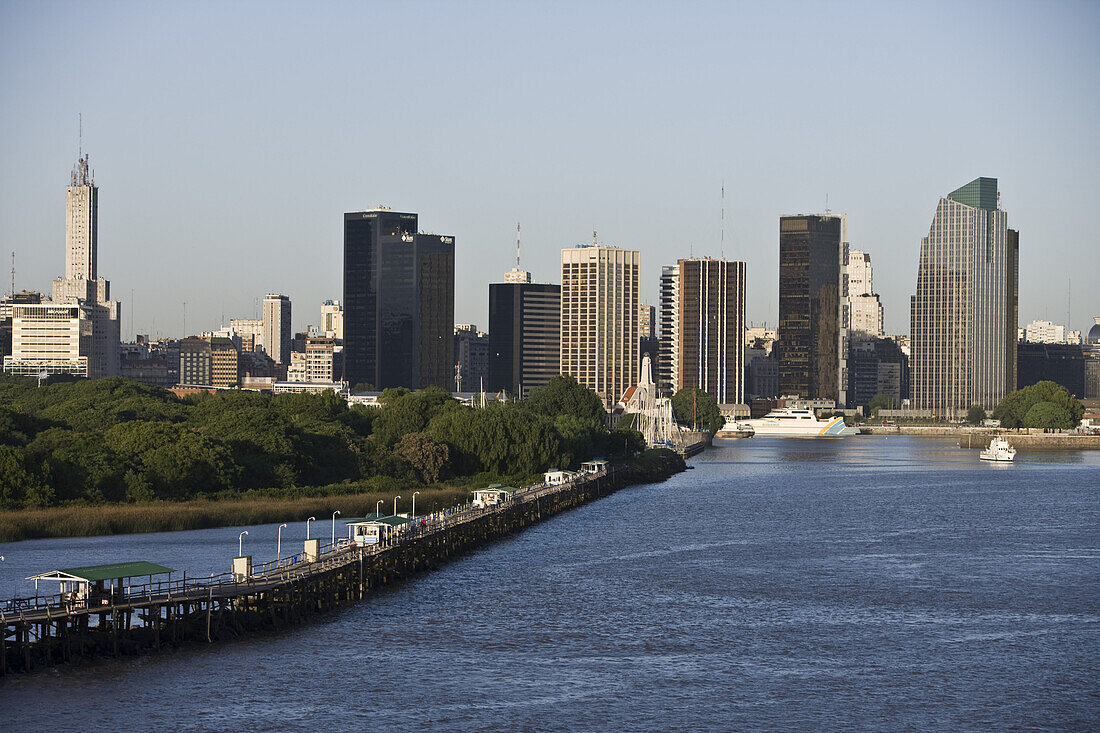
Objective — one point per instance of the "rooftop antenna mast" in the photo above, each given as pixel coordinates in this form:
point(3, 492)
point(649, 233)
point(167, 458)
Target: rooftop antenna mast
point(723, 242)
point(80, 135)
point(517, 245)
point(827, 209)
point(13, 274)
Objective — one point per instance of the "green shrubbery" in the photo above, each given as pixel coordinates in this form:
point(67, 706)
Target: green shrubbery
point(117, 440)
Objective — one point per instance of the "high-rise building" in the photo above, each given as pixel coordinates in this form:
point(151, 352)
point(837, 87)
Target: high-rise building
point(82, 284)
point(196, 363)
point(398, 302)
point(332, 320)
point(707, 315)
point(666, 341)
point(250, 331)
point(524, 336)
point(864, 306)
point(277, 333)
point(320, 359)
point(599, 318)
point(961, 320)
point(812, 347)
point(471, 358)
point(224, 363)
point(1012, 306)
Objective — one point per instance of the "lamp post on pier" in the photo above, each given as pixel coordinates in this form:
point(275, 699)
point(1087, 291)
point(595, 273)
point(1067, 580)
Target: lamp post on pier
point(395, 505)
point(279, 545)
point(240, 543)
point(414, 504)
point(334, 527)
point(311, 519)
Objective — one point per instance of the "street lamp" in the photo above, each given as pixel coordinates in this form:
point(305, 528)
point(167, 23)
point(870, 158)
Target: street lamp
point(279, 546)
point(395, 505)
point(414, 504)
point(334, 527)
point(240, 544)
point(377, 509)
point(311, 519)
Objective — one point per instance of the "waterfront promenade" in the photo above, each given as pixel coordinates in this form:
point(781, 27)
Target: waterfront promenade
point(48, 630)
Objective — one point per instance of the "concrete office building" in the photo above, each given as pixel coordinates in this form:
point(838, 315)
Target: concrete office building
point(864, 306)
point(471, 358)
point(524, 336)
point(332, 320)
point(250, 331)
point(599, 318)
point(962, 329)
point(1045, 332)
point(320, 359)
point(81, 283)
point(196, 363)
point(812, 346)
point(224, 363)
point(707, 313)
point(55, 338)
point(277, 332)
point(398, 302)
point(666, 339)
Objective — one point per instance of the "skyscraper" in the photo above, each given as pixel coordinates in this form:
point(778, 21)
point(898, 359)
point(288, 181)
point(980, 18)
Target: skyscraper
point(398, 302)
point(710, 328)
point(82, 284)
point(599, 318)
point(960, 313)
point(812, 345)
point(864, 306)
point(332, 319)
point(524, 336)
point(666, 340)
point(277, 331)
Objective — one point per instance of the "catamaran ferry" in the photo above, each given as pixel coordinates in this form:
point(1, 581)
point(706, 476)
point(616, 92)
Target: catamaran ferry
point(799, 422)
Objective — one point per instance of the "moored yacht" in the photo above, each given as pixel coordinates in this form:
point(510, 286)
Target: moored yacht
point(800, 422)
point(999, 450)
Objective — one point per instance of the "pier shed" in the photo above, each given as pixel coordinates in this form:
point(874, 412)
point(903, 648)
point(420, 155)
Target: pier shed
point(556, 476)
point(493, 495)
point(98, 584)
point(596, 466)
point(373, 530)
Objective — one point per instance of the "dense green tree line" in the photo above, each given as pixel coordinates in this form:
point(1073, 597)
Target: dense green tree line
point(114, 440)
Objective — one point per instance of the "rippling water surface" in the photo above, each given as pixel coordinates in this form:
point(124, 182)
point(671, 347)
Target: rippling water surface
point(787, 584)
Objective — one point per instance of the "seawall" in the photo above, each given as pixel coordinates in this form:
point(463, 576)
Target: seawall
point(976, 438)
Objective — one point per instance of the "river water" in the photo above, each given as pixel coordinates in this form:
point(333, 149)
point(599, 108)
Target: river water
point(783, 584)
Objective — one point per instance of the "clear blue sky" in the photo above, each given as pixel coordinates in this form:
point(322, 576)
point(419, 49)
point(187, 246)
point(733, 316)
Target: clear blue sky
point(229, 138)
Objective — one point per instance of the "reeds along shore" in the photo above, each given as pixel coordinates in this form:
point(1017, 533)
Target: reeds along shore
point(86, 521)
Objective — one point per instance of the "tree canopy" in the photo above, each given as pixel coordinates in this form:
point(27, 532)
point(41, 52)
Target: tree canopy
point(975, 414)
point(694, 406)
point(1014, 411)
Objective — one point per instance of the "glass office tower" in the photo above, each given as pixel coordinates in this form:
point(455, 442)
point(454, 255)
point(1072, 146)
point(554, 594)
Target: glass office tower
point(963, 305)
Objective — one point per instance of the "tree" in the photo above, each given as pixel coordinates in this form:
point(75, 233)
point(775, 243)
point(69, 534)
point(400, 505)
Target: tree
point(696, 407)
point(1014, 408)
point(975, 415)
point(881, 401)
point(424, 454)
point(1048, 415)
point(564, 395)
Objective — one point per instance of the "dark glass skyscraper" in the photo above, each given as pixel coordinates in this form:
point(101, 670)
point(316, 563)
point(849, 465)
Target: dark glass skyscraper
point(398, 302)
point(811, 260)
point(524, 336)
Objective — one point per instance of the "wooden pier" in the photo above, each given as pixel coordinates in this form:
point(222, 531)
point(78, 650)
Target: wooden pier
point(158, 616)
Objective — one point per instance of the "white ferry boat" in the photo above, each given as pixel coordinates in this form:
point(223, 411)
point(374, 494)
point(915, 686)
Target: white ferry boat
point(735, 428)
point(999, 450)
point(800, 422)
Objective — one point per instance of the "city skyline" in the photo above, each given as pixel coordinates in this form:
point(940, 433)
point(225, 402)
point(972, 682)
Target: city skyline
point(872, 149)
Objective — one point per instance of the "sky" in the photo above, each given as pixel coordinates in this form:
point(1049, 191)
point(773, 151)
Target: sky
point(228, 139)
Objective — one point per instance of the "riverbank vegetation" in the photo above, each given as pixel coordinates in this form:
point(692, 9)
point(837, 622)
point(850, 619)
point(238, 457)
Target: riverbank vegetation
point(117, 441)
point(1041, 405)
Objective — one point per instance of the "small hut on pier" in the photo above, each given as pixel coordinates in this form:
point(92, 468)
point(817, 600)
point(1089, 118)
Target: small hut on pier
point(373, 529)
point(493, 495)
point(100, 584)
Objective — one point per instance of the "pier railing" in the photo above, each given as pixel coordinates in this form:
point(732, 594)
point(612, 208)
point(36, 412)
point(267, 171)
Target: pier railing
point(269, 574)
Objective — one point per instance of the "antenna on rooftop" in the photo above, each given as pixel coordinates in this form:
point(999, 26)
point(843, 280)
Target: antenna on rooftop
point(80, 135)
point(593, 237)
point(827, 209)
point(13, 274)
point(723, 242)
point(517, 245)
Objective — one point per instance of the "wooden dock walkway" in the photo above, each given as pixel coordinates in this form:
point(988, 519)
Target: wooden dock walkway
point(47, 631)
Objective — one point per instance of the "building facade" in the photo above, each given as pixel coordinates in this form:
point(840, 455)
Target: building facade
point(224, 363)
point(277, 331)
point(82, 284)
point(332, 320)
point(812, 346)
point(709, 333)
point(196, 363)
point(599, 318)
point(398, 302)
point(864, 306)
point(471, 358)
point(962, 310)
point(51, 338)
point(524, 336)
point(668, 321)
